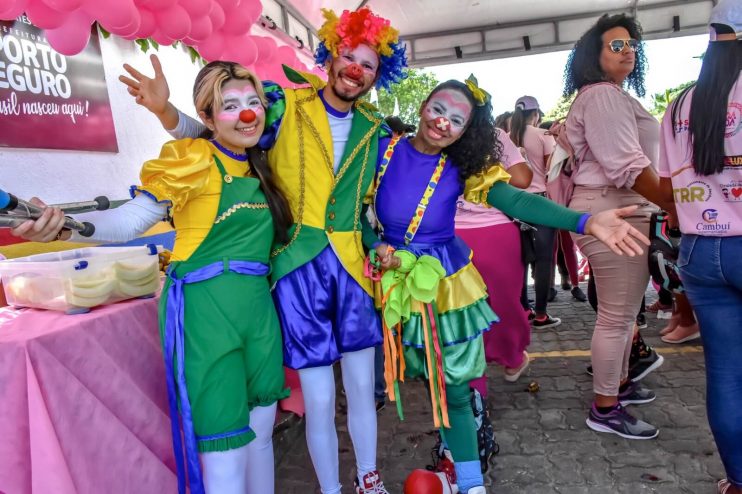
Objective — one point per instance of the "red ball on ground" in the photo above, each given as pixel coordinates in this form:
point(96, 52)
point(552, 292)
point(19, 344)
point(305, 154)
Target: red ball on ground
point(423, 482)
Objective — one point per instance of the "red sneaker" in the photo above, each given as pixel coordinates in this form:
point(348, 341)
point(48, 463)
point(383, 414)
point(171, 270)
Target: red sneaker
point(371, 484)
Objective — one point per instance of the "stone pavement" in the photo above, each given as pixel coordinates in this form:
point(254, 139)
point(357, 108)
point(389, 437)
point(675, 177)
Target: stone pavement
point(545, 445)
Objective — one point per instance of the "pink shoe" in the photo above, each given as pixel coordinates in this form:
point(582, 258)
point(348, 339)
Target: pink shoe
point(673, 323)
point(512, 375)
point(681, 334)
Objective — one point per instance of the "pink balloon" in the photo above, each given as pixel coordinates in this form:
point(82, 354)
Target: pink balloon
point(44, 17)
point(237, 21)
point(174, 22)
point(64, 5)
point(130, 29)
point(112, 14)
point(72, 37)
point(228, 4)
point(147, 25)
point(12, 9)
point(274, 72)
point(217, 16)
point(213, 48)
point(267, 48)
point(285, 54)
point(241, 49)
point(162, 38)
point(253, 8)
point(258, 69)
point(196, 8)
point(201, 28)
point(154, 5)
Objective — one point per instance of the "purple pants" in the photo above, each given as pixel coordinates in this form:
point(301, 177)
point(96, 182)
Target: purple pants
point(324, 312)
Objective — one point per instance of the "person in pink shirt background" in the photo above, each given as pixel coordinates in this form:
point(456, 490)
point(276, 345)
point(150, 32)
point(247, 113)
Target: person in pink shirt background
point(616, 141)
point(501, 268)
point(538, 145)
point(701, 169)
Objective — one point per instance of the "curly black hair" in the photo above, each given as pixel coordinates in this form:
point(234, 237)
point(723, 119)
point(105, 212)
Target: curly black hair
point(583, 64)
point(478, 147)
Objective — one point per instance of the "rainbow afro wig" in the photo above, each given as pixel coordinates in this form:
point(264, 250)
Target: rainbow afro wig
point(363, 27)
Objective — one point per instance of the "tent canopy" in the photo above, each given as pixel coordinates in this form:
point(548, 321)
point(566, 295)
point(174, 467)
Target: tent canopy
point(441, 32)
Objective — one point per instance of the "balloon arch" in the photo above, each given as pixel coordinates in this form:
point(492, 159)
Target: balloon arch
point(216, 29)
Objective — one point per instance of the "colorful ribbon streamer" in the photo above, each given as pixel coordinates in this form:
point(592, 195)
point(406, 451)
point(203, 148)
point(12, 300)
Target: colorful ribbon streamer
point(416, 280)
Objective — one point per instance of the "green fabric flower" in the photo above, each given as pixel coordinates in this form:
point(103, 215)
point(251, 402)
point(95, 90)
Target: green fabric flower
point(416, 278)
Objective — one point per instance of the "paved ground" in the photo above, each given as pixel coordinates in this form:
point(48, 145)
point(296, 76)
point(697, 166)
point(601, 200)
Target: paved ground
point(545, 445)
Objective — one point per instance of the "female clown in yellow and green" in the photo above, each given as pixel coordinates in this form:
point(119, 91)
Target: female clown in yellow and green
point(433, 300)
point(219, 327)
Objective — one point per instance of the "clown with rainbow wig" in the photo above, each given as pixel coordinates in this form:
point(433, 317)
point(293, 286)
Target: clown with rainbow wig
point(322, 144)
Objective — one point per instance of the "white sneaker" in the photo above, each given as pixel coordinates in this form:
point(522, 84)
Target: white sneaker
point(447, 486)
point(477, 490)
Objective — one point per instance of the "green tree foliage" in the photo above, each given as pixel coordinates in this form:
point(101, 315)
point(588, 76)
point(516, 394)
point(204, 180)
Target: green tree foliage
point(560, 110)
point(660, 101)
point(410, 93)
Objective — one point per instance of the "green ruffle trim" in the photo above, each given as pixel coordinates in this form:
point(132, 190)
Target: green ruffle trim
point(462, 362)
point(456, 326)
point(226, 443)
point(264, 401)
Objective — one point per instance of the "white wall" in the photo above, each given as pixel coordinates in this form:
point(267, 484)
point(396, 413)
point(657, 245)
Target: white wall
point(63, 176)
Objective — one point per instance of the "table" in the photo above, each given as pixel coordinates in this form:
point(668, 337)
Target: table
point(83, 402)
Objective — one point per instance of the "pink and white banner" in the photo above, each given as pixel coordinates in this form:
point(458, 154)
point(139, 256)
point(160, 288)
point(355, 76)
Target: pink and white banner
point(49, 100)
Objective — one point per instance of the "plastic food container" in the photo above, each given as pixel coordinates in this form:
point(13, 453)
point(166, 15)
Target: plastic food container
point(75, 281)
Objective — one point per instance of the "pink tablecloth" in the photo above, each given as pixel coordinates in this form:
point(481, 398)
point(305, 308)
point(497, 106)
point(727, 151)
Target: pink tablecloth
point(83, 404)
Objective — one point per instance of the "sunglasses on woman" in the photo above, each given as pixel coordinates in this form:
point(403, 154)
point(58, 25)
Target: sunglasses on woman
point(617, 45)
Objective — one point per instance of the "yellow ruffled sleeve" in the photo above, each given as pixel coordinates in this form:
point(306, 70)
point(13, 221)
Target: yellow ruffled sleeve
point(179, 174)
point(478, 186)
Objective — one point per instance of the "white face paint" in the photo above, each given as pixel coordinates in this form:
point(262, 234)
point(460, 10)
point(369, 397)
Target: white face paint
point(353, 72)
point(444, 117)
point(229, 130)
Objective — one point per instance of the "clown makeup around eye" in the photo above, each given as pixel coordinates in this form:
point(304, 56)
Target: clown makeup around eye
point(229, 129)
point(362, 55)
point(237, 100)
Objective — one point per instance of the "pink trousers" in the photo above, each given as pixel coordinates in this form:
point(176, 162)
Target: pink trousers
point(497, 258)
point(621, 282)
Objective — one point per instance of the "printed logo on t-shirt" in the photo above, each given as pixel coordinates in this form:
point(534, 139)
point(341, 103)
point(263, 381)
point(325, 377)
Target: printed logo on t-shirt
point(710, 224)
point(734, 119)
point(681, 126)
point(696, 191)
point(733, 162)
point(732, 192)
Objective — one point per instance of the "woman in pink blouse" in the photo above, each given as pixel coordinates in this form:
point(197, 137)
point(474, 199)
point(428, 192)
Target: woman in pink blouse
point(617, 143)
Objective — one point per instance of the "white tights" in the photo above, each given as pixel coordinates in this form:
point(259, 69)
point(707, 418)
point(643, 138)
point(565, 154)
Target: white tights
point(245, 470)
point(318, 387)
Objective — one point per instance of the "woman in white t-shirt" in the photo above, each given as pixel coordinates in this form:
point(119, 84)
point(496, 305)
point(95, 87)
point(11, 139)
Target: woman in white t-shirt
point(701, 167)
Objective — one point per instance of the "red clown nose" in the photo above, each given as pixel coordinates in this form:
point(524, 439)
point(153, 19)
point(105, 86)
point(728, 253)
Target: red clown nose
point(354, 71)
point(248, 116)
point(442, 123)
